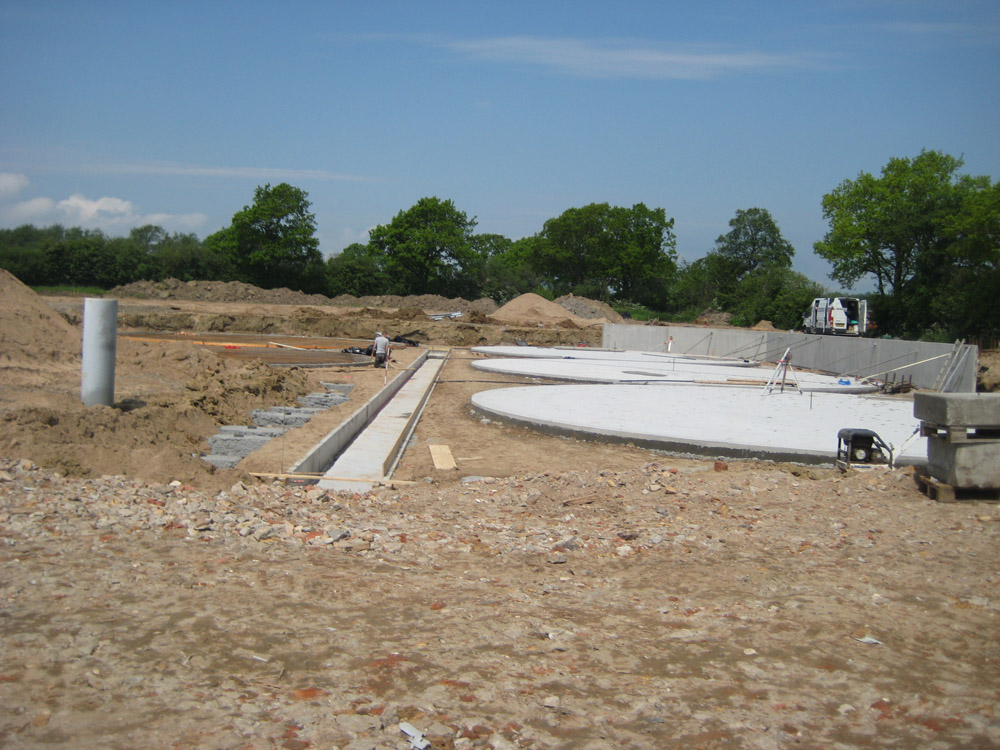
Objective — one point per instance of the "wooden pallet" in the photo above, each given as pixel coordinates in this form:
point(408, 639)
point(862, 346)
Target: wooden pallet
point(946, 493)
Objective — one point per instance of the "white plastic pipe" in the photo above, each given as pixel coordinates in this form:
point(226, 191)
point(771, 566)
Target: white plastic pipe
point(100, 331)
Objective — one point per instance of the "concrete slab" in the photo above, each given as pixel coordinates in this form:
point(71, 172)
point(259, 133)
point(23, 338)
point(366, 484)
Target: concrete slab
point(372, 453)
point(625, 369)
point(614, 355)
point(709, 421)
point(972, 409)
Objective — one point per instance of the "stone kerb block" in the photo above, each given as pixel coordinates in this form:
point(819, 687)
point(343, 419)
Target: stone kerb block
point(968, 409)
point(963, 437)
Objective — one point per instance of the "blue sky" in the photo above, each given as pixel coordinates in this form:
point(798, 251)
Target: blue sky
point(118, 114)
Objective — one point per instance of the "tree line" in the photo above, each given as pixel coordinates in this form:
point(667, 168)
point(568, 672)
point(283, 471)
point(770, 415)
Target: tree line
point(926, 235)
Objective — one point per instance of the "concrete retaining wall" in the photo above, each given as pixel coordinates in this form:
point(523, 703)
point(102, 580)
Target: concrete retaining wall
point(840, 355)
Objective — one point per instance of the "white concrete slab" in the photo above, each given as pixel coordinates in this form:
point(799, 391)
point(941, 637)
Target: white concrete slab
point(706, 420)
point(373, 451)
point(614, 355)
point(609, 369)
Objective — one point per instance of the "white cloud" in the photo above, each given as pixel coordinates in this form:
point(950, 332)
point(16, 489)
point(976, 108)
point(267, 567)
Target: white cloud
point(116, 215)
point(27, 212)
point(11, 184)
point(618, 59)
point(81, 210)
point(109, 214)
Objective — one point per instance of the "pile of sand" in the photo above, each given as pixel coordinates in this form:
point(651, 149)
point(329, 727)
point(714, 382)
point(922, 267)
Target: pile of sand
point(32, 334)
point(534, 310)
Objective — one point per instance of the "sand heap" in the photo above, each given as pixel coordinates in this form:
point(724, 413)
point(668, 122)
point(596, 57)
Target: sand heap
point(534, 310)
point(32, 334)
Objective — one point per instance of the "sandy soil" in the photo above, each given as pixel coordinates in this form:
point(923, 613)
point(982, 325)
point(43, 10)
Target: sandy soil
point(566, 594)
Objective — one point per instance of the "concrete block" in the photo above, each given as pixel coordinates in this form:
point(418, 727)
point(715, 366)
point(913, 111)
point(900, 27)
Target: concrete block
point(969, 409)
point(322, 400)
point(222, 461)
point(960, 458)
point(341, 388)
point(287, 417)
point(966, 465)
point(242, 440)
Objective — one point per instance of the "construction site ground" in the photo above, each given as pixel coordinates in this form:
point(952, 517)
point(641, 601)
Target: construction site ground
point(547, 593)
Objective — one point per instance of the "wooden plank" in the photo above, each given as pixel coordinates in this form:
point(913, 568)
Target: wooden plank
point(585, 500)
point(946, 493)
point(441, 455)
point(935, 490)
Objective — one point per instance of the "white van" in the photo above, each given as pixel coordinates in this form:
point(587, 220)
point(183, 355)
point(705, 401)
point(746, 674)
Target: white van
point(845, 316)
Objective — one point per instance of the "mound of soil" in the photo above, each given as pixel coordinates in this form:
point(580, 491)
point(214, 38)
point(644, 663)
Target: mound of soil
point(988, 379)
point(216, 291)
point(170, 397)
point(32, 334)
point(535, 310)
point(408, 313)
point(235, 291)
point(589, 308)
point(429, 303)
point(714, 318)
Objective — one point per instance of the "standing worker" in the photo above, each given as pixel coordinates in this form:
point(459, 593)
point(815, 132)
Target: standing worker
point(380, 350)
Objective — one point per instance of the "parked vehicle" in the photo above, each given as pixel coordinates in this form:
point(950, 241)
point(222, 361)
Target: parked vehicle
point(844, 316)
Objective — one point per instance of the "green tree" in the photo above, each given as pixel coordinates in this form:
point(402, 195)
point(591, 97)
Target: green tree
point(513, 272)
point(29, 253)
point(698, 285)
point(184, 257)
point(605, 252)
point(85, 259)
point(644, 248)
point(753, 242)
point(774, 293)
point(879, 226)
point(272, 243)
point(428, 249)
point(355, 270)
point(222, 245)
point(487, 248)
point(572, 252)
point(926, 235)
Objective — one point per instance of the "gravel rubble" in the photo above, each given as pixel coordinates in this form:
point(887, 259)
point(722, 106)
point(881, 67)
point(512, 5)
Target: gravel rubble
point(647, 607)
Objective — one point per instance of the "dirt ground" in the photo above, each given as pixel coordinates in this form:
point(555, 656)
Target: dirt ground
point(549, 593)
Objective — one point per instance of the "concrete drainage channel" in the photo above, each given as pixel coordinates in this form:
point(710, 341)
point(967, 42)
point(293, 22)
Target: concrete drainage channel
point(363, 450)
point(358, 454)
point(232, 443)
